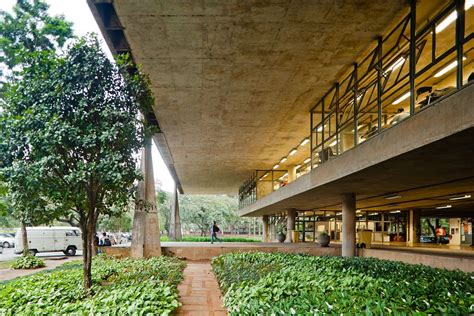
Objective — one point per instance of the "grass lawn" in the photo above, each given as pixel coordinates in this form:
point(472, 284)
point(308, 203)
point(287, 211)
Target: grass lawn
point(208, 239)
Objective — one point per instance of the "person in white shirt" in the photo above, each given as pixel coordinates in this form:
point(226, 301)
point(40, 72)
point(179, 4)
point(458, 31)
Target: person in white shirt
point(400, 116)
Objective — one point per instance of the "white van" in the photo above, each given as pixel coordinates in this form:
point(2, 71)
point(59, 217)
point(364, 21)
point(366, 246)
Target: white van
point(50, 239)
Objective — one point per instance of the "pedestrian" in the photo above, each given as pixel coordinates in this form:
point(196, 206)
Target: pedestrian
point(214, 230)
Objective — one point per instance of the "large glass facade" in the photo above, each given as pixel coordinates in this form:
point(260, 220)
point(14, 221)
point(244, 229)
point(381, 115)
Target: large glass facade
point(426, 57)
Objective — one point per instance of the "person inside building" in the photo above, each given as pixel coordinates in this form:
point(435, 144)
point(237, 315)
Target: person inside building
point(400, 116)
point(214, 230)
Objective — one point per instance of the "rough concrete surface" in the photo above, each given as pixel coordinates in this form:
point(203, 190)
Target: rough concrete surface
point(234, 80)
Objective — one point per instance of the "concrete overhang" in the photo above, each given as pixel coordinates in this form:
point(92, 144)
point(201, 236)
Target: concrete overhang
point(427, 156)
point(234, 80)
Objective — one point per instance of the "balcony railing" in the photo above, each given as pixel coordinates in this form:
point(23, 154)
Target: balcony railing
point(410, 68)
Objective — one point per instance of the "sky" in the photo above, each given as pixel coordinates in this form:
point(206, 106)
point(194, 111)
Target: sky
point(77, 12)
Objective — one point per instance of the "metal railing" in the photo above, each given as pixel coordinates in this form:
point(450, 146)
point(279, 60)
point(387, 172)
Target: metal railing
point(410, 68)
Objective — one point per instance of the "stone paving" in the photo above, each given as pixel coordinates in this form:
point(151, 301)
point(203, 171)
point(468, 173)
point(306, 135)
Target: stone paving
point(199, 292)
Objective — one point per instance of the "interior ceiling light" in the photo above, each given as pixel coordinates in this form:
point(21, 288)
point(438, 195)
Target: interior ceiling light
point(283, 176)
point(444, 206)
point(305, 141)
point(282, 160)
point(320, 129)
point(374, 214)
point(392, 196)
point(333, 143)
point(264, 176)
point(461, 197)
point(358, 127)
point(358, 211)
point(452, 17)
point(397, 211)
point(400, 99)
point(276, 166)
point(397, 64)
point(307, 160)
point(447, 68)
point(293, 151)
point(297, 166)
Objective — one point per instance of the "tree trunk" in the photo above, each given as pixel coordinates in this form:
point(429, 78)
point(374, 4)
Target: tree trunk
point(87, 227)
point(24, 236)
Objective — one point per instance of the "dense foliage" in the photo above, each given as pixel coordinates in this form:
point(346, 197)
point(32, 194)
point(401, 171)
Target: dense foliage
point(128, 286)
point(283, 284)
point(28, 262)
point(199, 211)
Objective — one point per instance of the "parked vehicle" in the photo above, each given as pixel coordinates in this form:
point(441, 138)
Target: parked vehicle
point(50, 239)
point(7, 240)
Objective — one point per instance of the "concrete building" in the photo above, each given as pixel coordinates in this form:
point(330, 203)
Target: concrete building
point(334, 116)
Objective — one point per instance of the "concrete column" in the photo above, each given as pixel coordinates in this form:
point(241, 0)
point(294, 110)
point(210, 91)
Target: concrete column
point(291, 173)
point(265, 228)
point(348, 224)
point(175, 217)
point(146, 229)
point(290, 224)
point(414, 227)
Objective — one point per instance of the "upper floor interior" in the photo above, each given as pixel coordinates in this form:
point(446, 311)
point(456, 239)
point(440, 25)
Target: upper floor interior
point(426, 57)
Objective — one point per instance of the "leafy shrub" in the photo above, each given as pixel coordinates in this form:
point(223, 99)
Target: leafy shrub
point(262, 283)
point(128, 286)
point(28, 262)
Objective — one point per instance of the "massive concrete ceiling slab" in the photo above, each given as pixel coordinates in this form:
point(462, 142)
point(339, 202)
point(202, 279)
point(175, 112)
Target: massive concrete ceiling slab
point(234, 80)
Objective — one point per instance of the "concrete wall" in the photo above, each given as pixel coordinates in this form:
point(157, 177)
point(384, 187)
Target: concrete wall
point(206, 252)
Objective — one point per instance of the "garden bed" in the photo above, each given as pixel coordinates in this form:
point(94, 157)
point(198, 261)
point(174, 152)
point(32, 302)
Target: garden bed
point(128, 286)
point(277, 284)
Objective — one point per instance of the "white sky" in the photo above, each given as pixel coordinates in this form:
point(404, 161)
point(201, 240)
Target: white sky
point(77, 12)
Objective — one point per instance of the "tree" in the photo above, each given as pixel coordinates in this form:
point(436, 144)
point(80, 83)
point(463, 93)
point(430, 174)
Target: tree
point(163, 202)
point(27, 32)
point(30, 29)
point(77, 117)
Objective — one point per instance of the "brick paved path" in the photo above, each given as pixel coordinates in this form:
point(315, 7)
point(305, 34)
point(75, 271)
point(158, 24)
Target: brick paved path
point(199, 292)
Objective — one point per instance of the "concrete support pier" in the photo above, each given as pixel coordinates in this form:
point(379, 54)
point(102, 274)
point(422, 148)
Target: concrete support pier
point(348, 224)
point(175, 218)
point(146, 228)
point(290, 224)
point(414, 227)
point(265, 228)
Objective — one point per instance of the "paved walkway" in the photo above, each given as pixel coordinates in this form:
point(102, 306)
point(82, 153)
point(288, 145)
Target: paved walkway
point(9, 274)
point(199, 292)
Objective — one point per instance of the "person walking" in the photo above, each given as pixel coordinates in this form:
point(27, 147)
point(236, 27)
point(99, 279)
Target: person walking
point(214, 230)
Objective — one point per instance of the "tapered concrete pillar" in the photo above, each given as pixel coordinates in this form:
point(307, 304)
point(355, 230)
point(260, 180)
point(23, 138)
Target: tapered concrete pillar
point(414, 227)
point(290, 224)
point(265, 228)
point(146, 228)
point(175, 218)
point(348, 224)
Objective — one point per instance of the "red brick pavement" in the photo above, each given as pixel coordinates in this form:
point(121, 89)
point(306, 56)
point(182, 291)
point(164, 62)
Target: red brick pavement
point(199, 292)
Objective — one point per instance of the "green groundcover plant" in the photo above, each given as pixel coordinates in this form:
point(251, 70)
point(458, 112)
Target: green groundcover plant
point(208, 239)
point(120, 287)
point(28, 262)
point(286, 284)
